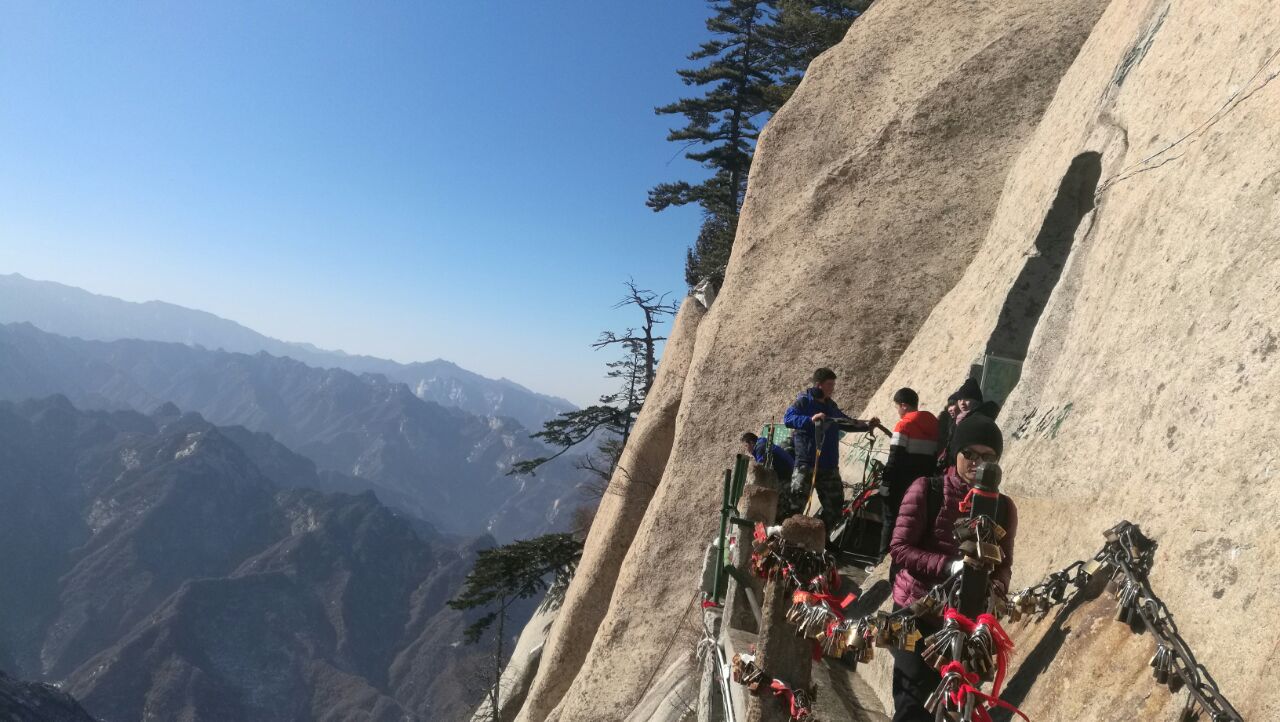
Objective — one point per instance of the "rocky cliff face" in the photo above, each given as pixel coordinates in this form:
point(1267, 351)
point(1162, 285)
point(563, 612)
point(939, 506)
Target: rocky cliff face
point(167, 576)
point(621, 512)
point(871, 191)
point(1088, 187)
point(1150, 349)
point(363, 432)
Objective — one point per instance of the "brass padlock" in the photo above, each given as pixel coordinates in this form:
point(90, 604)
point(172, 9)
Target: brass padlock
point(990, 553)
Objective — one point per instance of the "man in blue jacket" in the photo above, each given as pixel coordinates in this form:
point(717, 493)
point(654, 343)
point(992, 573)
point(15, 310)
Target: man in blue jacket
point(759, 448)
point(817, 441)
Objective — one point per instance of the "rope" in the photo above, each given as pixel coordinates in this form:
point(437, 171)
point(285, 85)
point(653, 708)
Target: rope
point(673, 635)
point(1231, 104)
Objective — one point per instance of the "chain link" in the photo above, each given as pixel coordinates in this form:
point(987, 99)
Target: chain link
point(1127, 558)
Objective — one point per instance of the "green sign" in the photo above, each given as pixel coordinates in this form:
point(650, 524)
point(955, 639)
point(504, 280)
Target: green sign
point(999, 376)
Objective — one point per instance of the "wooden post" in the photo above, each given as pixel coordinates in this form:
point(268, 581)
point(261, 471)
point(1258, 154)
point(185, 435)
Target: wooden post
point(764, 476)
point(781, 653)
point(758, 504)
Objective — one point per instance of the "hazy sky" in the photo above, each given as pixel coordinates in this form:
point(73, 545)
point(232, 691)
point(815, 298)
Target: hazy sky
point(411, 180)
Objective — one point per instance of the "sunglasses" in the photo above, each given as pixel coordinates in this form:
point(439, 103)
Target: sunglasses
point(972, 455)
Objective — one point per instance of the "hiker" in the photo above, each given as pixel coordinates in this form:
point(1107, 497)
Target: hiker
point(967, 398)
point(925, 552)
point(989, 409)
point(760, 449)
point(946, 424)
point(913, 453)
point(817, 445)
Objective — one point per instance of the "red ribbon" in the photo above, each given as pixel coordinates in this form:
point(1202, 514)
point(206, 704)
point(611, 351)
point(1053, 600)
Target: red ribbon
point(1003, 644)
point(965, 624)
point(969, 686)
point(837, 607)
point(781, 689)
point(1004, 647)
point(966, 504)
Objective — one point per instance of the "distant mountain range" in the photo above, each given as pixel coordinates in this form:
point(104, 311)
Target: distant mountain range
point(194, 533)
point(69, 311)
point(363, 432)
point(173, 569)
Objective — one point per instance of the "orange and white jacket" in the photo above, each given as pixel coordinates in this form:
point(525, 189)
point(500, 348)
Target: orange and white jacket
point(913, 449)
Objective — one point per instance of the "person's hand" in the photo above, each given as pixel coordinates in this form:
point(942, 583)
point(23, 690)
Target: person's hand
point(875, 421)
point(817, 417)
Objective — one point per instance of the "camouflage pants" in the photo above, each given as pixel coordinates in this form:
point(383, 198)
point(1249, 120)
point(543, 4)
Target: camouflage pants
point(830, 494)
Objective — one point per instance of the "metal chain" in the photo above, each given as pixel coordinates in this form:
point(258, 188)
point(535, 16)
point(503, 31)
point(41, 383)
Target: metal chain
point(1127, 558)
point(798, 702)
point(772, 557)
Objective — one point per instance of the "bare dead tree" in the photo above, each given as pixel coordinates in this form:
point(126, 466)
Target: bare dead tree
point(615, 414)
point(656, 308)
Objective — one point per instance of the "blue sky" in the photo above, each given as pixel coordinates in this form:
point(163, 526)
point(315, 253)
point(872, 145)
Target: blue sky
point(411, 180)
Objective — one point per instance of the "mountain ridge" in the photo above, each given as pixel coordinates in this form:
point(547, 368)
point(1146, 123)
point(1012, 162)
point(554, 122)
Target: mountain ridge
point(75, 312)
point(169, 577)
point(362, 432)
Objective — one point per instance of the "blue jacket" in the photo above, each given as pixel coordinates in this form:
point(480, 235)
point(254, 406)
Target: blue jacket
point(798, 417)
point(783, 464)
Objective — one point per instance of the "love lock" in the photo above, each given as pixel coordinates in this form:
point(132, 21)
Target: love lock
point(938, 703)
point(990, 554)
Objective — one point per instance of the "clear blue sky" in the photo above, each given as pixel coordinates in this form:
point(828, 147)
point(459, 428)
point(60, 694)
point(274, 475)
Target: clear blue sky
point(411, 180)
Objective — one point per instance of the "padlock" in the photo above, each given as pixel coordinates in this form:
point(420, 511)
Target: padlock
point(990, 554)
point(935, 702)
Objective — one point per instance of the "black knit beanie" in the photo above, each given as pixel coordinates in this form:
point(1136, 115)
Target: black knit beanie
point(977, 430)
point(969, 390)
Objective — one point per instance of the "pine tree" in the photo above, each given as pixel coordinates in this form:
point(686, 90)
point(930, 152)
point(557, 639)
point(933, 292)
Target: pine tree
point(739, 74)
point(759, 51)
point(502, 576)
point(803, 30)
point(709, 256)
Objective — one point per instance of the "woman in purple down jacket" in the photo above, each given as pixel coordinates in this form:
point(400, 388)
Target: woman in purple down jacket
point(925, 553)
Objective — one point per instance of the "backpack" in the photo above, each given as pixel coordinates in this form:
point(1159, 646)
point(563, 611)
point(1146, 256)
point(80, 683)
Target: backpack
point(789, 445)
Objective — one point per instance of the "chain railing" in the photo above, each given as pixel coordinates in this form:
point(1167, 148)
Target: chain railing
point(969, 652)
